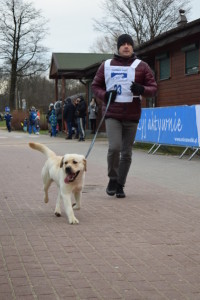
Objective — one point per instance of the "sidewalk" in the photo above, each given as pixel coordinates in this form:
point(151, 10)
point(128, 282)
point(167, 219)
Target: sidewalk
point(146, 246)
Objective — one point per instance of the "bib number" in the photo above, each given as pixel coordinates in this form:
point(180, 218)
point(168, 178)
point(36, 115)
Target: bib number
point(118, 88)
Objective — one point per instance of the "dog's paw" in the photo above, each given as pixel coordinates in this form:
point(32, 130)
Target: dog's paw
point(73, 220)
point(75, 206)
point(58, 214)
point(46, 199)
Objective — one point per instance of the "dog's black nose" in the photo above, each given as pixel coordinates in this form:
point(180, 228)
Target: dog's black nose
point(68, 170)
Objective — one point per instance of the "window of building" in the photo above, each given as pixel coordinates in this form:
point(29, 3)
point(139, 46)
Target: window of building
point(164, 66)
point(151, 102)
point(191, 59)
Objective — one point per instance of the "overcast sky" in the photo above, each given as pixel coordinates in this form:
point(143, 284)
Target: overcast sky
point(71, 23)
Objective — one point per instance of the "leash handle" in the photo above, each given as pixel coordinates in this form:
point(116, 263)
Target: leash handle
point(100, 123)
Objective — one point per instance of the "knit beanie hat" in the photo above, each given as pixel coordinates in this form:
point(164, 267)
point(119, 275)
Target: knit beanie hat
point(124, 38)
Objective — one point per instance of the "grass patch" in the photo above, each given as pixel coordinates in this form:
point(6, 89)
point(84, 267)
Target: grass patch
point(165, 149)
point(2, 124)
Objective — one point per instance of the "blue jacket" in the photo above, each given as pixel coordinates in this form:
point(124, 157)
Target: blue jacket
point(8, 118)
point(53, 118)
point(32, 117)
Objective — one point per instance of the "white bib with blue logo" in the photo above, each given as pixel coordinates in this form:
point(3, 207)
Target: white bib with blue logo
point(120, 78)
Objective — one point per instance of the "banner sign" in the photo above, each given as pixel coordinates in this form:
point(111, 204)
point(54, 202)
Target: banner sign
point(175, 125)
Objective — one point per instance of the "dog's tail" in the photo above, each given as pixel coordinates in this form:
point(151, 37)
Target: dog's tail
point(42, 148)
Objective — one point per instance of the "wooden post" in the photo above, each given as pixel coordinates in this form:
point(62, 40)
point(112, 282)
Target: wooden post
point(63, 93)
point(56, 89)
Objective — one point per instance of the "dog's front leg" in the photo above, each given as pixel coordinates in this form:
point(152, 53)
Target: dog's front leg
point(77, 196)
point(58, 202)
point(46, 184)
point(69, 210)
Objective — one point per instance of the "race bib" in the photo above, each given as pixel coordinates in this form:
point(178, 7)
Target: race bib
point(120, 78)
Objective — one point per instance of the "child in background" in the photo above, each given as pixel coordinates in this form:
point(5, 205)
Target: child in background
point(32, 120)
point(8, 118)
point(53, 122)
point(37, 123)
point(51, 106)
point(25, 125)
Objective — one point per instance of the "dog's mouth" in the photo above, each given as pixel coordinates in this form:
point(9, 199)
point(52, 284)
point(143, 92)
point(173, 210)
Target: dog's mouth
point(71, 177)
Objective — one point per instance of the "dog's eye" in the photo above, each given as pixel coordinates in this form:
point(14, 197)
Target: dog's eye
point(74, 162)
point(66, 162)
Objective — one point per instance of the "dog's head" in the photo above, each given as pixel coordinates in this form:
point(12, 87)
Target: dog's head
point(73, 165)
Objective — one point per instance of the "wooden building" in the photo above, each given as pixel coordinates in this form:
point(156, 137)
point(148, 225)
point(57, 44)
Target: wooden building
point(175, 58)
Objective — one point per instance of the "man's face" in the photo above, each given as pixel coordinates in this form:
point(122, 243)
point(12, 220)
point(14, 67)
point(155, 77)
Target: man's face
point(126, 50)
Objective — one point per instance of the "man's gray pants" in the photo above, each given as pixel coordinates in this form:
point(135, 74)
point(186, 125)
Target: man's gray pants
point(121, 136)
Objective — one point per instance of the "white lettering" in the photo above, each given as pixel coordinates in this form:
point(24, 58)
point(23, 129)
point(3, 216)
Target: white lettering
point(172, 124)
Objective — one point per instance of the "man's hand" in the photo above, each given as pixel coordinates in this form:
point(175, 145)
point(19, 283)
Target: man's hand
point(137, 89)
point(113, 96)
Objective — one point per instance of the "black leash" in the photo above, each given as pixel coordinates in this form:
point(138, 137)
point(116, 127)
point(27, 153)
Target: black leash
point(100, 123)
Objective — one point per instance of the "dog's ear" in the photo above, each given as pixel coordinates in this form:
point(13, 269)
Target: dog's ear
point(61, 163)
point(85, 164)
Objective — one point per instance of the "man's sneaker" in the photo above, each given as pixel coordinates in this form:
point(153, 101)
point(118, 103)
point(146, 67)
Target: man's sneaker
point(120, 191)
point(111, 188)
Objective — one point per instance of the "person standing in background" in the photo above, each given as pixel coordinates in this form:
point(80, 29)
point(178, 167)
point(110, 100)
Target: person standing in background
point(37, 123)
point(32, 120)
point(53, 122)
point(8, 118)
point(93, 112)
point(51, 107)
point(80, 114)
point(68, 115)
point(58, 111)
point(75, 102)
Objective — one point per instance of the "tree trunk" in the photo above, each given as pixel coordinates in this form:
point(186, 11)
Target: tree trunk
point(13, 80)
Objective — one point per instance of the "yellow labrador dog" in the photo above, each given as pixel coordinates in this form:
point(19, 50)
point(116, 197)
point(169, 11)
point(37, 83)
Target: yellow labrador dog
point(68, 173)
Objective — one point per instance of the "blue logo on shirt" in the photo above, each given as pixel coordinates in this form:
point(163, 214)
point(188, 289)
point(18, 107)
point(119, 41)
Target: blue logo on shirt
point(120, 75)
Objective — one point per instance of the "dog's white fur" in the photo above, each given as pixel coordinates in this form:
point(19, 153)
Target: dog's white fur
point(61, 170)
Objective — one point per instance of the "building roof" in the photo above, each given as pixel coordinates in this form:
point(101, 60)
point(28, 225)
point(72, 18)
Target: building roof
point(84, 65)
point(168, 37)
point(76, 65)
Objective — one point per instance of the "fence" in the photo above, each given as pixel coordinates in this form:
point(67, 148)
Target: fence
point(171, 126)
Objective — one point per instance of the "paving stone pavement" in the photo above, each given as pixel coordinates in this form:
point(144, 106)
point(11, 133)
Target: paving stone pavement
point(146, 246)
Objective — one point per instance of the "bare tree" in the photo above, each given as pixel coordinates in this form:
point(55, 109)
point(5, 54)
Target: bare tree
point(22, 30)
point(104, 44)
point(143, 19)
point(39, 91)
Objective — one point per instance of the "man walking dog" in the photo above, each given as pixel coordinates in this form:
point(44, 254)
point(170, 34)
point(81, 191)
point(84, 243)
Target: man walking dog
point(124, 79)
